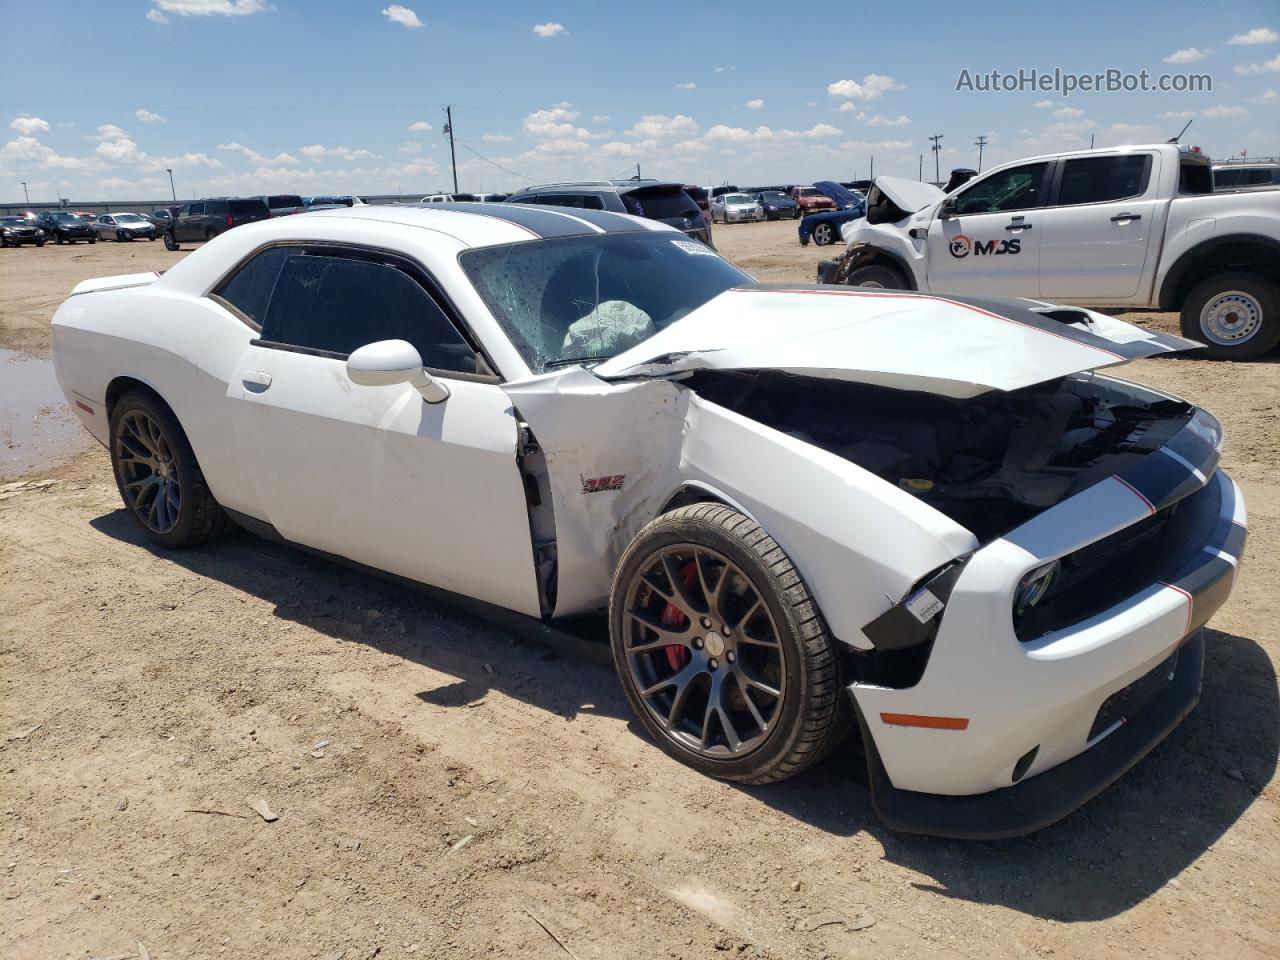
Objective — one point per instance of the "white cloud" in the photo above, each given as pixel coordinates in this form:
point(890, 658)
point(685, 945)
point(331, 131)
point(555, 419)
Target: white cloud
point(882, 146)
point(1268, 98)
point(123, 151)
point(1187, 55)
point(108, 131)
point(1043, 104)
point(114, 183)
point(1255, 36)
point(1068, 112)
point(420, 126)
point(280, 159)
point(26, 126)
point(146, 116)
point(1222, 111)
point(872, 87)
point(687, 86)
point(204, 8)
point(318, 151)
point(901, 120)
point(402, 15)
point(1177, 115)
point(26, 151)
point(555, 123)
point(1069, 126)
point(1270, 66)
point(731, 134)
point(754, 104)
point(725, 69)
point(495, 138)
point(188, 160)
point(410, 146)
point(549, 29)
point(724, 133)
point(600, 118)
point(657, 126)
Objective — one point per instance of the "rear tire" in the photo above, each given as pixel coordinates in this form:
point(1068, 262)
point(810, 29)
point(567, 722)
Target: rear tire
point(1235, 315)
point(761, 628)
point(152, 459)
point(875, 277)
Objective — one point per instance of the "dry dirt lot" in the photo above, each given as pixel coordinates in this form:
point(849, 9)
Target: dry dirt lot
point(446, 789)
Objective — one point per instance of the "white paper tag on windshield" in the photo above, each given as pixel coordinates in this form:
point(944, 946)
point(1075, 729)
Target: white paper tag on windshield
point(923, 605)
point(693, 246)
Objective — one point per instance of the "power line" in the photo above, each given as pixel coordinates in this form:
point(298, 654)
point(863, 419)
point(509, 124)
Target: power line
point(980, 143)
point(937, 150)
point(492, 163)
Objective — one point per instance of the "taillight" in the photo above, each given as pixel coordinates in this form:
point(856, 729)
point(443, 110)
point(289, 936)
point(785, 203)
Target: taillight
point(229, 223)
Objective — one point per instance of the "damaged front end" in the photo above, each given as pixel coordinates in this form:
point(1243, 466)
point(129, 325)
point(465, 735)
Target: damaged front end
point(990, 462)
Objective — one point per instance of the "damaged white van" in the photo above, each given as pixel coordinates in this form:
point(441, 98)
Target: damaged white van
point(806, 511)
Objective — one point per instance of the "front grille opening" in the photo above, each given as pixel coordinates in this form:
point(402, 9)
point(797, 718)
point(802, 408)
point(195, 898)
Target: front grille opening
point(1126, 702)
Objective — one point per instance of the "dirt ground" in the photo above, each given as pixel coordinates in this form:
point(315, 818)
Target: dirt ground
point(446, 789)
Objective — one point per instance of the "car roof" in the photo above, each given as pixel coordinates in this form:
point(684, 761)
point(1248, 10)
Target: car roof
point(604, 186)
point(493, 224)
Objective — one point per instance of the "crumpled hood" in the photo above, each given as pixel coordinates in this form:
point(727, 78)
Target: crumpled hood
point(949, 345)
point(909, 195)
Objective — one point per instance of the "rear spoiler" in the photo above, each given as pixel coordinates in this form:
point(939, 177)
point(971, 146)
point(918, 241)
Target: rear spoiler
point(119, 282)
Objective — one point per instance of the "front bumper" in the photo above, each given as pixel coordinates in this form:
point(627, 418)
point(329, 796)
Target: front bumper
point(1042, 705)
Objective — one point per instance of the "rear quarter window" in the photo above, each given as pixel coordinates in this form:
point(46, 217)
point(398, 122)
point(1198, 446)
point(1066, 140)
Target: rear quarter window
point(660, 204)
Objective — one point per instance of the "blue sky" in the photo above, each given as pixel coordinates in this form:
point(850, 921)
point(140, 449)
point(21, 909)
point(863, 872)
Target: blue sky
point(319, 96)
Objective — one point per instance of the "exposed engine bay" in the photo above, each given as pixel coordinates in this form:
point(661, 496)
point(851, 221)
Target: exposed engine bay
point(990, 463)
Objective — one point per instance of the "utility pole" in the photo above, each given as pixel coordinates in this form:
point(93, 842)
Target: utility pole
point(1091, 141)
point(920, 171)
point(937, 151)
point(453, 157)
point(25, 194)
point(873, 168)
point(637, 171)
point(980, 143)
point(173, 191)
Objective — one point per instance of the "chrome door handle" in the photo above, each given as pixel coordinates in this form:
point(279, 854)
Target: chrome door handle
point(1018, 226)
point(1126, 216)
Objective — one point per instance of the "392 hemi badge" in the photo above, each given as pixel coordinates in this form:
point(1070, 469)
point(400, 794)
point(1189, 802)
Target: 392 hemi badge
point(601, 484)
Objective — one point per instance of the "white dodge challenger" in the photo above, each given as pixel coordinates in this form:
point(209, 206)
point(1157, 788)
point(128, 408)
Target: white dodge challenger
point(806, 511)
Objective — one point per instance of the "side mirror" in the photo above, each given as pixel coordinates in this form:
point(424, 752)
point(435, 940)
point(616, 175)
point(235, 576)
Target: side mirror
point(948, 209)
point(394, 361)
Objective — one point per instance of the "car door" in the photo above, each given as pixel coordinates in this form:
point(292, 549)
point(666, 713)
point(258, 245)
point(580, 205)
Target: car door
point(1098, 226)
point(986, 238)
point(105, 227)
point(431, 492)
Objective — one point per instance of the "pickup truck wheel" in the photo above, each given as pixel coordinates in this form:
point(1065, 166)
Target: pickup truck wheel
point(158, 476)
point(1235, 315)
point(824, 234)
point(721, 650)
point(169, 242)
point(876, 277)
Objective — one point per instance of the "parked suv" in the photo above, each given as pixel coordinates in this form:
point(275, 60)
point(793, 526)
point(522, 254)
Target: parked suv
point(16, 231)
point(1234, 176)
point(810, 200)
point(654, 199)
point(283, 204)
point(66, 227)
point(205, 219)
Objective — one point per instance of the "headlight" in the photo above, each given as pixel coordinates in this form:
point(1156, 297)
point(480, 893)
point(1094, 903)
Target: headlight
point(1033, 587)
point(8, 231)
point(39, 232)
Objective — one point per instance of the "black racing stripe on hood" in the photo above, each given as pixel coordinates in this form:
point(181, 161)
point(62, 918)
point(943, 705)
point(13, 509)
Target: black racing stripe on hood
point(546, 223)
point(1022, 311)
point(1170, 473)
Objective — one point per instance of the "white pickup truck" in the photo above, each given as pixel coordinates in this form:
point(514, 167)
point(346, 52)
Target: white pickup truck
point(1136, 227)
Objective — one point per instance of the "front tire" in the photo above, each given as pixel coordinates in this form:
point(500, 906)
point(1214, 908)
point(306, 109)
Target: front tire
point(876, 277)
point(158, 476)
point(169, 242)
point(824, 234)
point(1235, 315)
point(721, 650)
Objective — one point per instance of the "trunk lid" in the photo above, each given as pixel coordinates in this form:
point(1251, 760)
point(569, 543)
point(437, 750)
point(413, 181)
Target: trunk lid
point(951, 346)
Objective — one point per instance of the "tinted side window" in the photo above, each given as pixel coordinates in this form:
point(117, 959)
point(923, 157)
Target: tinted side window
point(338, 304)
point(1100, 179)
point(1019, 188)
point(249, 289)
point(527, 198)
point(560, 200)
point(195, 210)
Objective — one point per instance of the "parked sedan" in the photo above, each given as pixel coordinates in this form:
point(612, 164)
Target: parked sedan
point(776, 205)
point(824, 227)
point(926, 519)
point(735, 208)
point(66, 227)
point(19, 231)
point(124, 226)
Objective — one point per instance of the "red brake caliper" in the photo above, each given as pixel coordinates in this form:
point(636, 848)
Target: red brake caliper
point(677, 655)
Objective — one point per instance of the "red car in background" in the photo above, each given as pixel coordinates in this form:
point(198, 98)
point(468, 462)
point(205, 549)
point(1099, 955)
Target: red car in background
point(810, 200)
